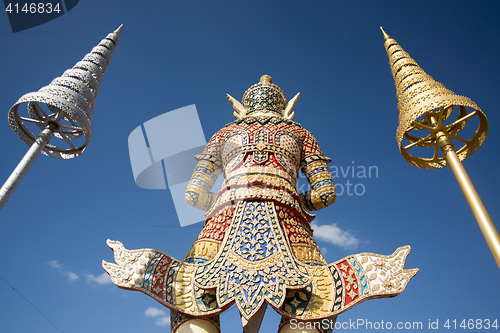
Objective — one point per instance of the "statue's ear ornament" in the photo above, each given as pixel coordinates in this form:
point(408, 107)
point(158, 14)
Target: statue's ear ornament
point(289, 114)
point(239, 110)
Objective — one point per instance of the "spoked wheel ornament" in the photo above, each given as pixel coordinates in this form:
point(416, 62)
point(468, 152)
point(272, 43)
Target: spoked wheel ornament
point(437, 128)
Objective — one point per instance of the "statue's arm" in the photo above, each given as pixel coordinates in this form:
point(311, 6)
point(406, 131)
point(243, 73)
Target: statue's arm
point(322, 192)
point(198, 192)
point(205, 174)
point(314, 165)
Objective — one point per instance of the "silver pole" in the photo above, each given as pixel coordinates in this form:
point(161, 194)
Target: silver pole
point(22, 168)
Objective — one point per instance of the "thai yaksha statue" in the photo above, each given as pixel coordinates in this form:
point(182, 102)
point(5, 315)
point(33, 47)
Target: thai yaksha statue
point(257, 246)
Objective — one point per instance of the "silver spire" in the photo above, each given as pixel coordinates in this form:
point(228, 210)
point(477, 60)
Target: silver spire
point(66, 104)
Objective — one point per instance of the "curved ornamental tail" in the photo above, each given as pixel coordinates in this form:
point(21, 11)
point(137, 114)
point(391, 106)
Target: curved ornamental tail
point(66, 104)
point(427, 111)
point(333, 288)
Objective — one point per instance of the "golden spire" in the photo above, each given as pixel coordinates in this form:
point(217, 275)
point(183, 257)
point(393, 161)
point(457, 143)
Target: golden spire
point(386, 36)
point(427, 122)
point(425, 108)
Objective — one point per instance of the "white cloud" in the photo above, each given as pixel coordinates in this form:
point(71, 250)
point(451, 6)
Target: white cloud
point(70, 275)
point(162, 318)
point(55, 264)
point(163, 321)
point(154, 312)
point(101, 279)
point(331, 233)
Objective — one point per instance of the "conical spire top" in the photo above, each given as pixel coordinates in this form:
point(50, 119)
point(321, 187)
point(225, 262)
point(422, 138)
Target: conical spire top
point(419, 94)
point(118, 30)
point(386, 36)
point(66, 103)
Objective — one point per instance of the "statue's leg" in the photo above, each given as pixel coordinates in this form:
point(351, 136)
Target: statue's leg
point(253, 325)
point(181, 323)
point(288, 325)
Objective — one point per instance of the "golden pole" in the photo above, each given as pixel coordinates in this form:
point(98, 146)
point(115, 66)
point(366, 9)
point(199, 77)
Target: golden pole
point(483, 219)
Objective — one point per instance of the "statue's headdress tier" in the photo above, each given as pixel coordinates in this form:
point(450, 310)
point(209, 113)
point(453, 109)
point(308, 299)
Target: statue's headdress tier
point(419, 94)
point(264, 97)
point(69, 98)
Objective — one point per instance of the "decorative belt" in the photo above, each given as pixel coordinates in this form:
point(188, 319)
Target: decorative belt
point(263, 147)
point(262, 170)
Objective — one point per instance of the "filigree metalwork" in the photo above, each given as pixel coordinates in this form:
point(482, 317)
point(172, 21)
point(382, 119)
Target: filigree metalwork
point(426, 109)
point(67, 103)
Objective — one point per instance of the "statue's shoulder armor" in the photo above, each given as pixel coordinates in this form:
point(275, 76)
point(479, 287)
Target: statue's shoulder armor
point(277, 127)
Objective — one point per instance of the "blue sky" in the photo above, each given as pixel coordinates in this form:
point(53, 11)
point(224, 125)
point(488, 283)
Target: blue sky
point(173, 54)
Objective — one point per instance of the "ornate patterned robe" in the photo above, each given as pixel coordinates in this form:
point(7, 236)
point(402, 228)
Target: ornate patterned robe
point(256, 245)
